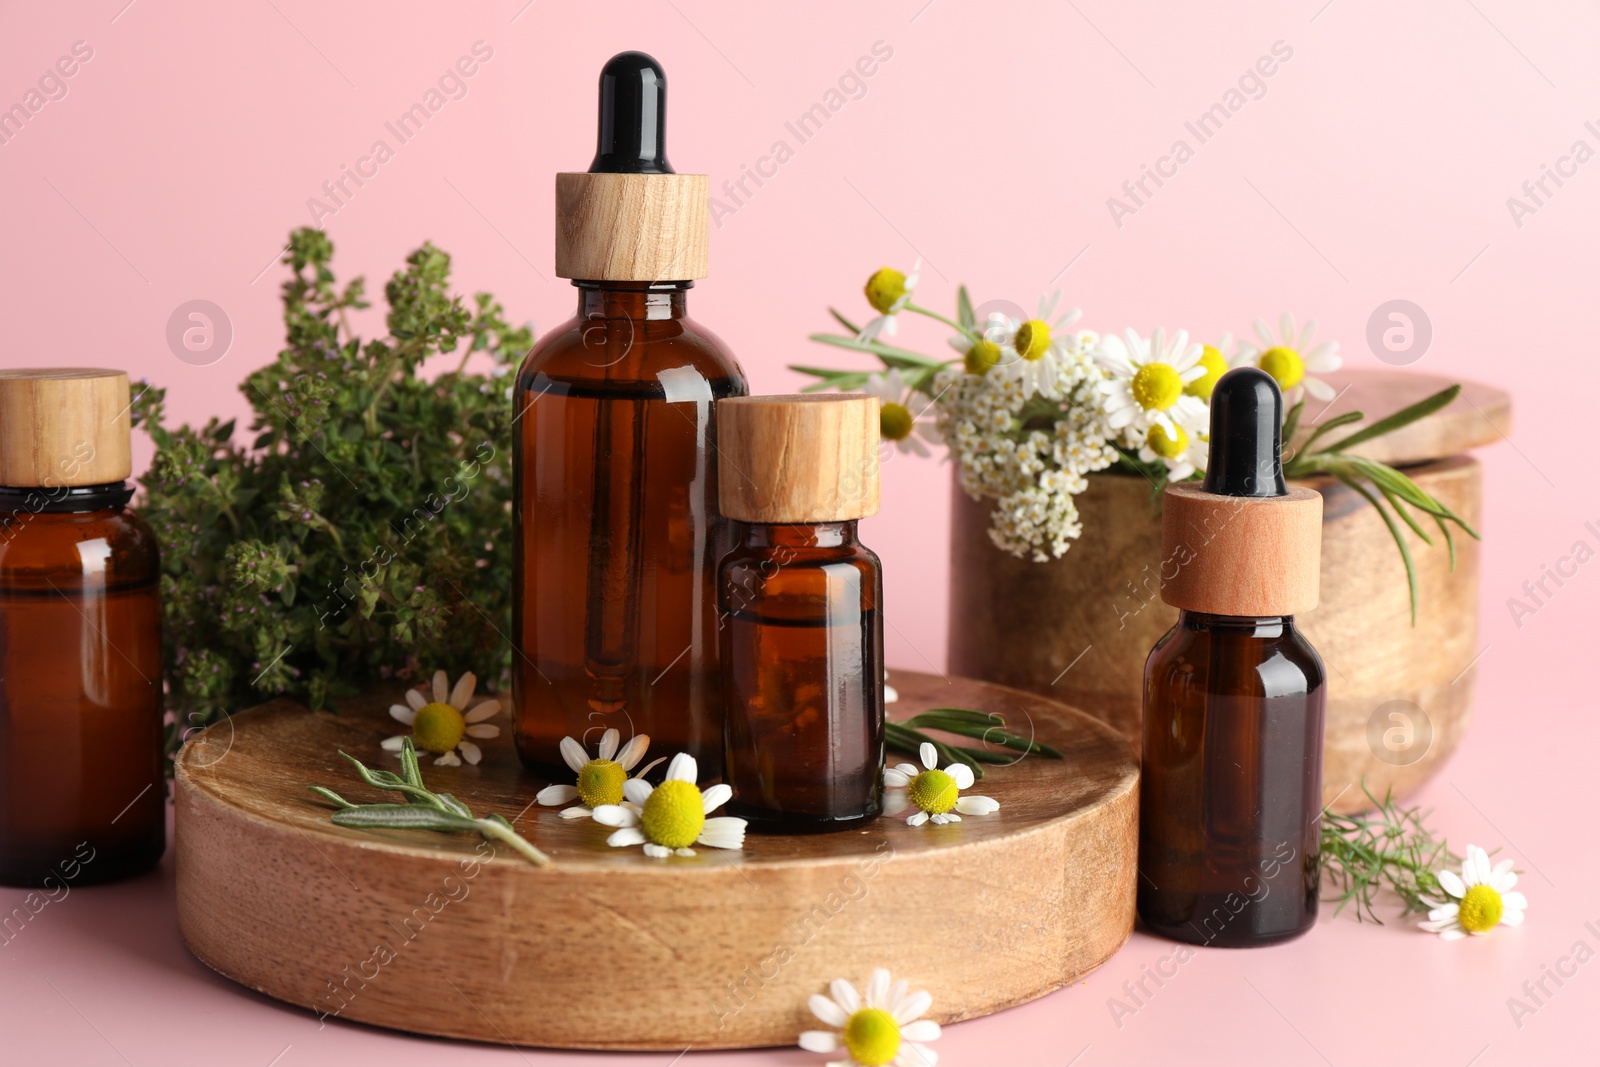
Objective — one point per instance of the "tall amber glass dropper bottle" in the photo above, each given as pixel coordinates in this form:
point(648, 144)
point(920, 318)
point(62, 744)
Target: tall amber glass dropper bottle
point(1231, 787)
point(617, 533)
point(81, 792)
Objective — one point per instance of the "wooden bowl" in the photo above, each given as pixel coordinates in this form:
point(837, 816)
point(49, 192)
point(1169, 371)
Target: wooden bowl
point(609, 949)
point(1399, 696)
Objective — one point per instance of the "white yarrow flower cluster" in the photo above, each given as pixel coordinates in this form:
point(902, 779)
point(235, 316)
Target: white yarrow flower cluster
point(1032, 473)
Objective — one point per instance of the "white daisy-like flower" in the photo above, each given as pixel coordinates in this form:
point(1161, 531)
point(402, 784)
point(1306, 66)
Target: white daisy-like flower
point(901, 413)
point(1032, 352)
point(600, 780)
point(1147, 380)
point(441, 726)
point(1288, 360)
point(1479, 898)
point(1217, 359)
point(883, 1029)
point(1183, 453)
point(888, 291)
point(934, 793)
point(668, 818)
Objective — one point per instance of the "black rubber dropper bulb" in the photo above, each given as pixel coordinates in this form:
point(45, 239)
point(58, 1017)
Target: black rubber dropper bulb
point(633, 117)
point(1246, 436)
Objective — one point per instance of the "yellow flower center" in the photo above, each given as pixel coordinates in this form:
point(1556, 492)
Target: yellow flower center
point(600, 782)
point(983, 354)
point(872, 1037)
point(1157, 386)
point(1285, 365)
point(674, 815)
point(1164, 446)
point(894, 421)
point(1480, 909)
point(1216, 366)
point(1033, 339)
point(885, 288)
point(934, 791)
point(438, 728)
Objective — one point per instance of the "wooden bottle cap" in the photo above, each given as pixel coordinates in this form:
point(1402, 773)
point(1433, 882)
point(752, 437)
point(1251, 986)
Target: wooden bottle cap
point(632, 227)
point(804, 457)
point(1241, 555)
point(64, 426)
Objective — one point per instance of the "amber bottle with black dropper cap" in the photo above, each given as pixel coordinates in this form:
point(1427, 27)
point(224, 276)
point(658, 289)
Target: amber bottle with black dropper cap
point(617, 533)
point(81, 793)
point(1231, 784)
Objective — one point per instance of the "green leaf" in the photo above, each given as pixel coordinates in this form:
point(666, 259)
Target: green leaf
point(330, 795)
point(1404, 417)
point(401, 817)
point(964, 313)
point(1291, 423)
point(1399, 539)
point(892, 356)
point(842, 321)
point(1332, 424)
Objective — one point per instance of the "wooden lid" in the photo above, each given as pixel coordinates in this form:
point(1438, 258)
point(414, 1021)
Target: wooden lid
point(632, 227)
point(1241, 555)
point(1481, 415)
point(803, 457)
point(64, 426)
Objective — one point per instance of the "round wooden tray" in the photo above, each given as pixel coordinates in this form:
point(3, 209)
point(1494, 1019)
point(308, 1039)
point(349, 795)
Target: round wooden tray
point(609, 949)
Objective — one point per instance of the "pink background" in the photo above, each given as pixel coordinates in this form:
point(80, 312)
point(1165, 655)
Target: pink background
point(1377, 166)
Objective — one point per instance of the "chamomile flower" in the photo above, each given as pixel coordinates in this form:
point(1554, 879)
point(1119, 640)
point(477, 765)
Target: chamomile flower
point(901, 412)
point(600, 780)
point(441, 726)
point(1183, 452)
point(1288, 360)
point(1216, 360)
point(885, 1028)
point(1033, 351)
point(1147, 380)
point(888, 291)
point(1479, 898)
point(668, 818)
point(934, 793)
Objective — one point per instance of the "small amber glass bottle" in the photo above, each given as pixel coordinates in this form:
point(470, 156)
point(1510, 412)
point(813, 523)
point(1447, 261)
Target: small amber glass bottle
point(1231, 784)
point(616, 529)
point(81, 792)
point(800, 599)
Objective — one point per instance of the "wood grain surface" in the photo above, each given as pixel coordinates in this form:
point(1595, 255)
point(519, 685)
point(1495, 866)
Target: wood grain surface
point(799, 457)
point(1092, 617)
point(632, 227)
point(63, 426)
point(1481, 415)
point(610, 949)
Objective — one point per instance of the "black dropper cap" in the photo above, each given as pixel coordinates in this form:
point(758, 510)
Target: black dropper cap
point(633, 117)
point(1246, 436)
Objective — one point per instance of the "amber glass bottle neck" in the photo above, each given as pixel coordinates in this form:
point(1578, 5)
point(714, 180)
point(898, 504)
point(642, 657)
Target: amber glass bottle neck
point(63, 498)
point(632, 300)
point(800, 534)
point(1244, 626)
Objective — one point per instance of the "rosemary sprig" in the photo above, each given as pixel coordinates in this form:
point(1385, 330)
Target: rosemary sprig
point(1389, 847)
point(987, 726)
point(423, 809)
point(1391, 493)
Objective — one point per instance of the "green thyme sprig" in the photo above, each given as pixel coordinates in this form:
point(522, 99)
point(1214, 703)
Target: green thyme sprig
point(1389, 847)
point(423, 809)
point(1388, 486)
point(986, 726)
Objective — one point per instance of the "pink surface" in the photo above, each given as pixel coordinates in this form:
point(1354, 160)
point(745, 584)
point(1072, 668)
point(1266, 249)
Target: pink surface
point(1377, 165)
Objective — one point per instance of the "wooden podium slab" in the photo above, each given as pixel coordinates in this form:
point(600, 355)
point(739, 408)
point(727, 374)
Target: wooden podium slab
point(609, 949)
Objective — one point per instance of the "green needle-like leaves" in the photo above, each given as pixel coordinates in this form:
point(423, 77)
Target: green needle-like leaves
point(989, 727)
point(1389, 847)
point(423, 809)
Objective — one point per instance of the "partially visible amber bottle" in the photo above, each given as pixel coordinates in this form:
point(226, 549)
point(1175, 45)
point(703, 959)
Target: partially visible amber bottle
point(82, 797)
point(1231, 785)
point(802, 633)
point(616, 530)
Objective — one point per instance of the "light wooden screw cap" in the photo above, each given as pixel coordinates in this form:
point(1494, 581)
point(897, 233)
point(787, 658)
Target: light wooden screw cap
point(1240, 555)
point(805, 457)
point(64, 426)
point(632, 227)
